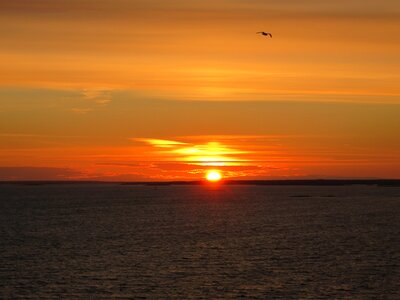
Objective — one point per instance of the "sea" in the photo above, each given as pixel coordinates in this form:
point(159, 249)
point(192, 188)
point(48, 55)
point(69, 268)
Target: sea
point(113, 241)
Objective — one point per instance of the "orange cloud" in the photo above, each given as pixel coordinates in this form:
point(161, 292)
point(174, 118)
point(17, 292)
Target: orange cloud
point(208, 154)
point(161, 143)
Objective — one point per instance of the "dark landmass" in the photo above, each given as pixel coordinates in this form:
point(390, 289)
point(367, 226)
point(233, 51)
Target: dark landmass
point(294, 182)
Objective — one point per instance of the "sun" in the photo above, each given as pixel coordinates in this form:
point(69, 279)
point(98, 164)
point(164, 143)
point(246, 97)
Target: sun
point(213, 176)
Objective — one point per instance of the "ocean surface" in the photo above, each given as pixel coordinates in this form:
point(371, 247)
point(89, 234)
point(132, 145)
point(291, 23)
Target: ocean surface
point(96, 241)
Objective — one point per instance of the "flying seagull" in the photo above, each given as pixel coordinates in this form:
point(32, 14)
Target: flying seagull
point(265, 33)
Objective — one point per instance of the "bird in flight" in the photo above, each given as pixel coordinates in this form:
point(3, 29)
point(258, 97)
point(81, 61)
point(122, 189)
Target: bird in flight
point(265, 33)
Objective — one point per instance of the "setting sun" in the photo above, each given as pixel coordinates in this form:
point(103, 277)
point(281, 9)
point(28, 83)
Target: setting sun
point(213, 176)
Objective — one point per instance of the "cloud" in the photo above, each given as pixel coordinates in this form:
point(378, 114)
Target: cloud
point(160, 143)
point(120, 164)
point(95, 97)
point(37, 173)
point(99, 96)
point(171, 166)
point(120, 177)
point(212, 153)
point(242, 156)
point(81, 111)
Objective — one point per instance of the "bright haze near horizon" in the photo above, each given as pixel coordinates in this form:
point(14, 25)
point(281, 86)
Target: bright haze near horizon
point(169, 90)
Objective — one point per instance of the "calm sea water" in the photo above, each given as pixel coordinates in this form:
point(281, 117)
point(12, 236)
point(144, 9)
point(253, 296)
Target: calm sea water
point(182, 242)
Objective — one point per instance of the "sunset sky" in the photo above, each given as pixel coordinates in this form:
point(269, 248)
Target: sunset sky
point(166, 90)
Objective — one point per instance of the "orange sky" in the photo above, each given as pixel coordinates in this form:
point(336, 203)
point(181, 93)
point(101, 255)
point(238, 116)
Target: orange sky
point(93, 89)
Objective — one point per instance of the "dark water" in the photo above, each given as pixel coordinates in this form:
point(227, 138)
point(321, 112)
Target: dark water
point(180, 242)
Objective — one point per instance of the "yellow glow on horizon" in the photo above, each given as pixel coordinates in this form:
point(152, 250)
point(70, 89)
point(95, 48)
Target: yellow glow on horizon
point(210, 154)
point(161, 143)
point(213, 153)
point(213, 176)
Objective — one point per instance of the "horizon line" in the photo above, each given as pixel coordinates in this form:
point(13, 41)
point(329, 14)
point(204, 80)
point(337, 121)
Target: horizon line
point(313, 182)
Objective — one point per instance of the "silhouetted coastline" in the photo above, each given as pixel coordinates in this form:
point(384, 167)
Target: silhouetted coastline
point(289, 182)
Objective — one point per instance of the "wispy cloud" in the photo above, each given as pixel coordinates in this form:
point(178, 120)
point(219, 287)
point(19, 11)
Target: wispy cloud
point(211, 153)
point(81, 111)
point(94, 97)
point(99, 96)
point(160, 143)
point(38, 173)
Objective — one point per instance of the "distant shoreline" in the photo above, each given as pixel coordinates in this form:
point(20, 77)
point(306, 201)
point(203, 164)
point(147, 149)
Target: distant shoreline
point(289, 182)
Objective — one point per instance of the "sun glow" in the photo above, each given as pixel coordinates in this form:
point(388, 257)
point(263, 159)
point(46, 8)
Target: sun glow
point(213, 176)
